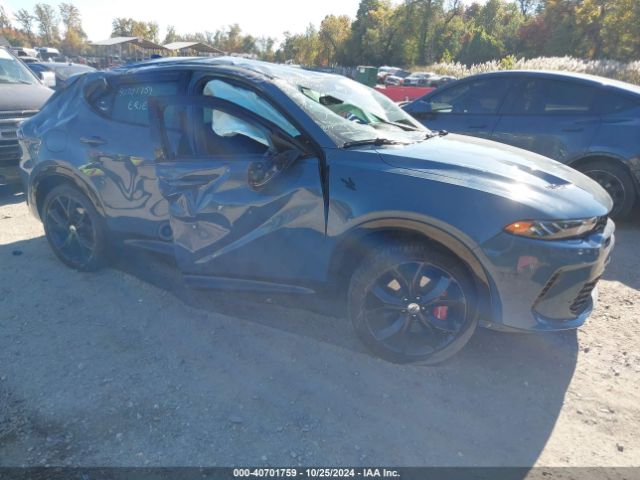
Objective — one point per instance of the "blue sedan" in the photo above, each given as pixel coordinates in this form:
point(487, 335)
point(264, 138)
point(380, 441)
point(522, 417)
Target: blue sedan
point(588, 122)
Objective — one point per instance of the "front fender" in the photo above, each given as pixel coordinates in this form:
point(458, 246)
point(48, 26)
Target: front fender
point(368, 231)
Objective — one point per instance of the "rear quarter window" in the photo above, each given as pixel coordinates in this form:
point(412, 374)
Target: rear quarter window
point(612, 102)
point(129, 102)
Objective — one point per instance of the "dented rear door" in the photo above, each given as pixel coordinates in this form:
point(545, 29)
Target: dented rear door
point(222, 226)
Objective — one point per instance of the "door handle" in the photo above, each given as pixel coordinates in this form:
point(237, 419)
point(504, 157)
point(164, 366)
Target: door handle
point(93, 141)
point(478, 126)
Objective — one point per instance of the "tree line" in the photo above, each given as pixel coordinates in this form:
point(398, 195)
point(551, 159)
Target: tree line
point(42, 27)
point(412, 32)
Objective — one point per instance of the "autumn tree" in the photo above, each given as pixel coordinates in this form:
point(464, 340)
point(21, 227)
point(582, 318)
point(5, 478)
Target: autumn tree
point(128, 27)
point(74, 35)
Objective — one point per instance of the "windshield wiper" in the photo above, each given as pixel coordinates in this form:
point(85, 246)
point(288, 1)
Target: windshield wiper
point(437, 133)
point(403, 126)
point(370, 141)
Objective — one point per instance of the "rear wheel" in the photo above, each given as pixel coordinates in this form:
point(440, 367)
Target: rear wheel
point(411, 304)
point(74, 228)
point(616, 181)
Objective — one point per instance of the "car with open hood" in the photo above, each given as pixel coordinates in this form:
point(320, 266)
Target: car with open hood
point(260, 177)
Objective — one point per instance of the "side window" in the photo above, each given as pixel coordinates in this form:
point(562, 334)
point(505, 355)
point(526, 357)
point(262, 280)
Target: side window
point(249, 100)
point(611, 103)
point(475, 97)
point(228, 135)
point(129, 102)
point(212, 132)
point(543, 96)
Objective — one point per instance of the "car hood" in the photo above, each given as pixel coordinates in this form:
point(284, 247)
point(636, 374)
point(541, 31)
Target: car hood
point(554, 189)
point(23, 97)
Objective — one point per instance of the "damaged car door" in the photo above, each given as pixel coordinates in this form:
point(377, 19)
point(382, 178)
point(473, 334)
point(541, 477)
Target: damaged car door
point(244, 193)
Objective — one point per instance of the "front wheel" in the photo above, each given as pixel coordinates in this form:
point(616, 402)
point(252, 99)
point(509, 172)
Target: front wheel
point(412, 304)
point(74, 228)
point(616, 181)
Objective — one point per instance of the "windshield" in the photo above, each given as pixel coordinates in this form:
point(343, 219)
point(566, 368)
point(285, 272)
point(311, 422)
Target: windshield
point(349, 111)
point(13, 71)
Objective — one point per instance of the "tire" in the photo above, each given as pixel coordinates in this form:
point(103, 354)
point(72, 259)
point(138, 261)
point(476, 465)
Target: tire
point(424, 320)
point(616, 181)
point(74, 229)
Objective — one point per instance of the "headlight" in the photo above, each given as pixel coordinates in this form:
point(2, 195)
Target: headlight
point(552, 229)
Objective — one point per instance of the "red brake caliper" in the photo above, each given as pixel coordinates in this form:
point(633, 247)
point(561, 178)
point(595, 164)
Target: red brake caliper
point(441, 313)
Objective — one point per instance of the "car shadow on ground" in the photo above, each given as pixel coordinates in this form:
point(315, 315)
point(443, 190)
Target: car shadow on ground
point(495, 403)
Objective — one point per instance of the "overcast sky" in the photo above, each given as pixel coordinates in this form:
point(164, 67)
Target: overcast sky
point(258, 17)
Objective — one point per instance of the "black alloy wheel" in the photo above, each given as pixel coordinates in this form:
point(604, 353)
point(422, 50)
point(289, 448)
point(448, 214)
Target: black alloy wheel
point(410, 305)
point(74, 228)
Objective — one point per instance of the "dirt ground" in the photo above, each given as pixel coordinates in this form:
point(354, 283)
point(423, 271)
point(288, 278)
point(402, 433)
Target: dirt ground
point(126, 367)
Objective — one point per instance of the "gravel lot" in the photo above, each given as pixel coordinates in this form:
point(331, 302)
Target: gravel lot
point(126, 367)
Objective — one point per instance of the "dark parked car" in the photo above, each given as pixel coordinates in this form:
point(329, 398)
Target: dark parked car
point(62, 71)
point(255, 176)
point(588, 122)
point(21, 95)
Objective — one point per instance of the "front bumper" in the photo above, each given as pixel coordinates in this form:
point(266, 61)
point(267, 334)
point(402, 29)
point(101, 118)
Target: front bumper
point(9, 148)
point(545, 285)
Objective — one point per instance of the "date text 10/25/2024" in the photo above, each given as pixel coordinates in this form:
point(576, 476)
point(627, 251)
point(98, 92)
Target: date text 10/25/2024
point(316, 472)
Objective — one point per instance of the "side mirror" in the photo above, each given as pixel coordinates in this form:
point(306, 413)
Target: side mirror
point(48, 79)
point(262, 172)
point(421, 109)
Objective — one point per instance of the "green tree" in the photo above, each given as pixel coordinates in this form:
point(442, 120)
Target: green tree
point(128, 27)
point(482, 47)
point(363, 29)
point(265, 46)
point(74, 36)
point(171, 35)
point(334, 34)
point(621, 30)
point(47, 23)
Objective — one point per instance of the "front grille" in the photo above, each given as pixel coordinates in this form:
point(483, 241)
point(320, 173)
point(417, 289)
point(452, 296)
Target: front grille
point(9, 147)
point(16, 115)
point(581, 300)
point(9, 152)
point(600, 224)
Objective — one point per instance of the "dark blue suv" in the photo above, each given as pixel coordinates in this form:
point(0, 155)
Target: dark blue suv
point(254, 176)
point(588, 122)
